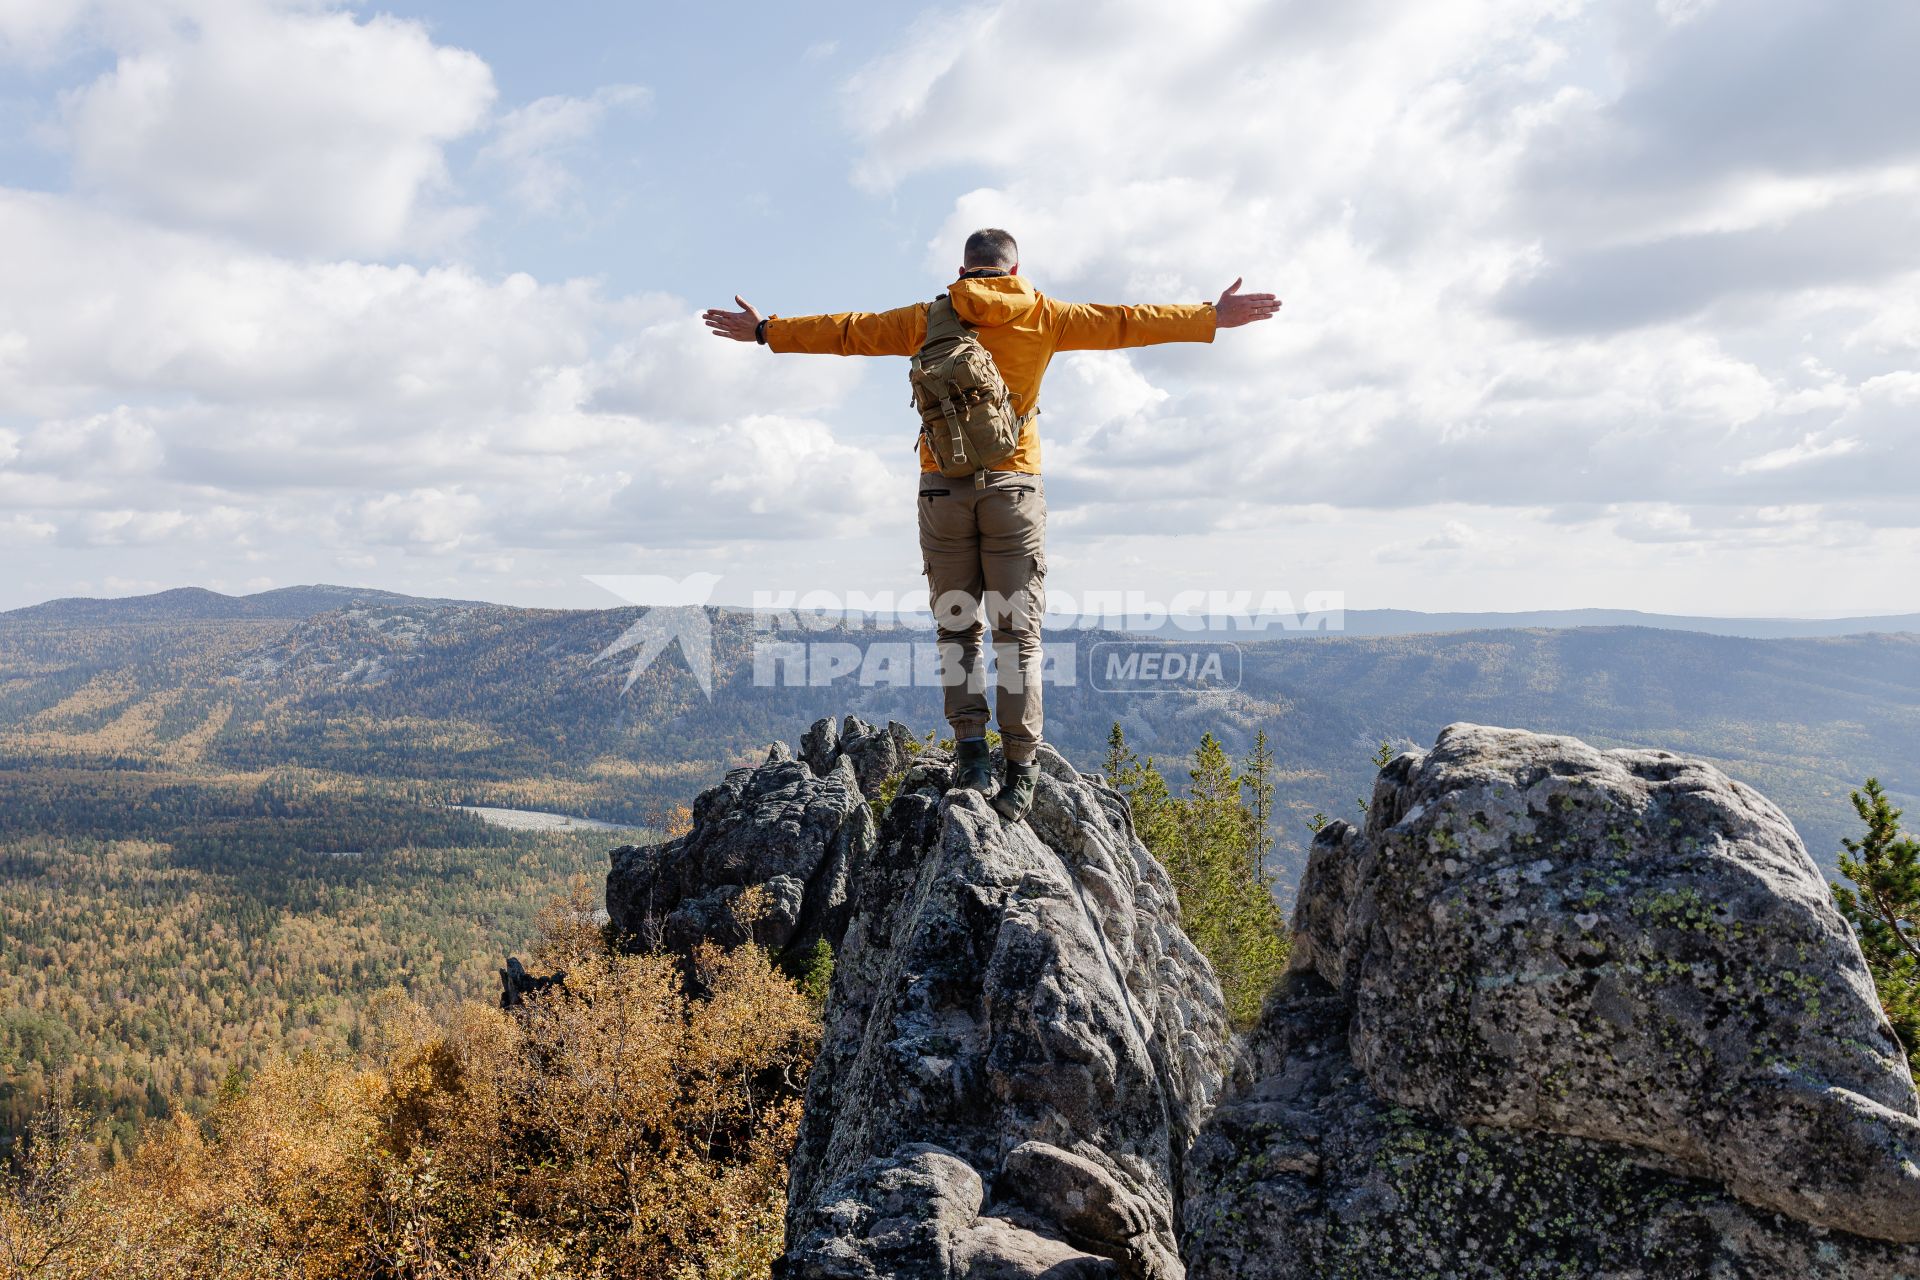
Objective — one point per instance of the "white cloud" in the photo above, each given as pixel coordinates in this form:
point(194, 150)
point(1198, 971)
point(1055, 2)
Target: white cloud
point(255, 401)
point(1808, 449)
point(314, 132)
point(116, 443)
point(537, 143)
point(133, 527)
point(193, 316)
point(670, 367)
point(31, 30)
point(23, 530)
point(1455, 538)
point(1474, 314)
point(437, 520)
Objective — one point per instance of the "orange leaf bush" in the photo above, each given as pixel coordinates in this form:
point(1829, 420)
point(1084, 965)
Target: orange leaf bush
point(636, 1122)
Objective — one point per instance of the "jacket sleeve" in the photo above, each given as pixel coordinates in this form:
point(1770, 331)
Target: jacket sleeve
point(1087, 326)
point(899, 332)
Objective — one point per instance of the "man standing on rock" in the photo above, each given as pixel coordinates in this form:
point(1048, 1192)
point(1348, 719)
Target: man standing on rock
point(983, 511)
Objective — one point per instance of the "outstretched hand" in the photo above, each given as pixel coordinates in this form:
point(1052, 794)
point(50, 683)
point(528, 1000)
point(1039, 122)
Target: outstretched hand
point(1236, 308)
point(738, 325)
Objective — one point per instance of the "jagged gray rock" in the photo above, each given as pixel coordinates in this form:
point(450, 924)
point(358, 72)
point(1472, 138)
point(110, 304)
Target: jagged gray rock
point(516, 984)
point(777, 827)
point(876, 754)
point(791, 827)
point(1020, 1044)
point(1558, 1011)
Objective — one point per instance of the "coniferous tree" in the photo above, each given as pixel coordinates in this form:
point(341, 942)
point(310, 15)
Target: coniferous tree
point(1884, 908)
point(1256, 779)
point(1155, 811)
point(1208, 841)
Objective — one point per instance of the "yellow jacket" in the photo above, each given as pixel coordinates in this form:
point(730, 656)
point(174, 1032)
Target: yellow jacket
point(1019, 326)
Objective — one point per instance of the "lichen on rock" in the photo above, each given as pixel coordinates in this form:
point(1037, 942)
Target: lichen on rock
point(1563, 1012)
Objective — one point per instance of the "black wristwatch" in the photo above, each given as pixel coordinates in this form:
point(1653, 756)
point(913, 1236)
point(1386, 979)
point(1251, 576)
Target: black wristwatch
point(760, 332)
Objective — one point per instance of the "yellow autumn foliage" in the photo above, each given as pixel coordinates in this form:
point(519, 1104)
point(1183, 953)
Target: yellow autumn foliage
point(635, 1123)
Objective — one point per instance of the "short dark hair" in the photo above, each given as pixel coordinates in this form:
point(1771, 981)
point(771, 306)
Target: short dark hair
point(990, 247)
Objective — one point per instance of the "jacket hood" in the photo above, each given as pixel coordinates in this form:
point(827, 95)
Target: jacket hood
point(985, 301)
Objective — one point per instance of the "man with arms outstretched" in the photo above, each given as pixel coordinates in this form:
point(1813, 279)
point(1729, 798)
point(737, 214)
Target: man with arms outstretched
point(985, 538)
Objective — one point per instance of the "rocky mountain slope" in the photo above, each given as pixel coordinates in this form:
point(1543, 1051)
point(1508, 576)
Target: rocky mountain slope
point(1554, 1012)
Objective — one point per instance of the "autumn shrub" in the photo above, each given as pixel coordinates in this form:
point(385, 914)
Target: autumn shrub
point(616, 1126)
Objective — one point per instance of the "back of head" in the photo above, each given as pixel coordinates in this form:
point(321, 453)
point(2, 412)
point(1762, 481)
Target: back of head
point(991, 247)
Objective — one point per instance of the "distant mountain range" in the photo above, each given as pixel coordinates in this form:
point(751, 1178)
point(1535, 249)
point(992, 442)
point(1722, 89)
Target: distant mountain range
point(1408, 622)
point(197, 604)
point(469, 703)
point(185, 604)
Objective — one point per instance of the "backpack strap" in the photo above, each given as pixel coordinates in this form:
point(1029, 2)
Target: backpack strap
point(943, 323)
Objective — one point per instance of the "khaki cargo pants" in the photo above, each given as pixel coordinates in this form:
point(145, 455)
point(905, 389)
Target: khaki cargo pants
point(986, 546)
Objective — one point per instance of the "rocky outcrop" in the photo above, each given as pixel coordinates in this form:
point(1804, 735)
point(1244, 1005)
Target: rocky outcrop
point(792, 828)
point(516, 984)
point(1019, 1041)
point(1020, 1044)
point(1557, 1011)
point(1553, 1012)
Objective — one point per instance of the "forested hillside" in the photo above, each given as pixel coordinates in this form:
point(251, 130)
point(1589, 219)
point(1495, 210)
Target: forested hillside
point(492, 705)
point(163, 933)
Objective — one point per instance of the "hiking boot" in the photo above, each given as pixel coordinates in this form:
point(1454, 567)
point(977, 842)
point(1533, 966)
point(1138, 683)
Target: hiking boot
point(1016, 793)
point(972, 771)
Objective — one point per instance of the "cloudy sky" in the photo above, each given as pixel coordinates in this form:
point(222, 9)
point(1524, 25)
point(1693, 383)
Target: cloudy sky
point(1586, 303)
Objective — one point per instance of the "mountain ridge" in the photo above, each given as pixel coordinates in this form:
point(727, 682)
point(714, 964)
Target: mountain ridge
point(494, 705)
point(199, 604)
point(307, 600)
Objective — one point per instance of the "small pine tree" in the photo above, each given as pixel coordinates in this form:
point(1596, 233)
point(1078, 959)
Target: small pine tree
point(1884, 908)
point(813, 973)
point(1156, 819)
point(1218, 829)
point(1210, 843)
point(1256, 779)
point(1120, 757)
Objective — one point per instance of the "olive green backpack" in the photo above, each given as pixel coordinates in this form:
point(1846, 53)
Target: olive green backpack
point(966, 411)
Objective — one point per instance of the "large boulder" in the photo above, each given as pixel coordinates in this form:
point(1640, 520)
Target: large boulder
point(1019, 1046)
point(1557, 1011)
